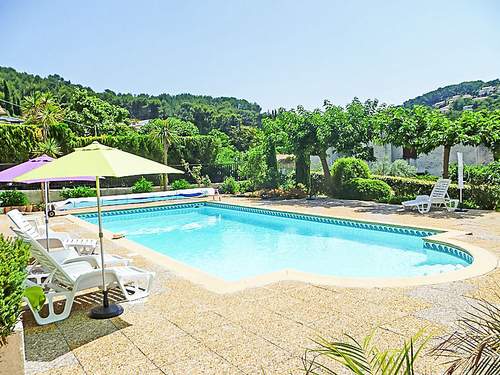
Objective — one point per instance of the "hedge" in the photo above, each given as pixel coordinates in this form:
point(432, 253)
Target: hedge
point(485, 197)
point(17, 142)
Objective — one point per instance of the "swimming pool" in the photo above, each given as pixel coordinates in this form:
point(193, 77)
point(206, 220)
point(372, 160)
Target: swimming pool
point(234, 242)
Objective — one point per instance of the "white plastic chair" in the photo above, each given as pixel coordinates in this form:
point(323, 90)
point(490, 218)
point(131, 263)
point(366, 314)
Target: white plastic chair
point(66, 280)
point(438, 197)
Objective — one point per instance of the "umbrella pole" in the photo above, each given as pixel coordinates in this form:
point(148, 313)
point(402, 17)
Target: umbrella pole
point(107, 310)
point(46, 204)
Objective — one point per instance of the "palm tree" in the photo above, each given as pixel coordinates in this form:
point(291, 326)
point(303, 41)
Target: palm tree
point(49, 147)
point(41, 109)
point(363, 358)
point(163, 131)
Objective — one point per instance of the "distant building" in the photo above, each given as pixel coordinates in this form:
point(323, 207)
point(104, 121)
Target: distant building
point(467, 96)
point(3, 112)
point(440, 104)
point(468, 107)
point(140, 124)
point(286, 162)
point(445, 109)
point(487, 90)
point(10, 120)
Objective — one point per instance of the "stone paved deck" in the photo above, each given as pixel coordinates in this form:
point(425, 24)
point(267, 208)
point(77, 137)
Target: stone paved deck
point(184, 329)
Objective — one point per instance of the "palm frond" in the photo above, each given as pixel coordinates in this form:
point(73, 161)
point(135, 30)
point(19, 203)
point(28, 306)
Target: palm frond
point(474, 348)
point(364, 358)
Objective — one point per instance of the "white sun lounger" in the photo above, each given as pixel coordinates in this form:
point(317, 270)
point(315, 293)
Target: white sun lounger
point(65, 255)
point(25, 224)
point(439, 197)
point(66, 280)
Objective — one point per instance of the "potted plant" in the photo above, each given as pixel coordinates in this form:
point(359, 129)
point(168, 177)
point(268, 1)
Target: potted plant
point(10, 199)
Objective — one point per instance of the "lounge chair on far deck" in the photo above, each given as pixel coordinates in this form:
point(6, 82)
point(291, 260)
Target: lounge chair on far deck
point(66, 280)
point(31, 227)
point(438, 197)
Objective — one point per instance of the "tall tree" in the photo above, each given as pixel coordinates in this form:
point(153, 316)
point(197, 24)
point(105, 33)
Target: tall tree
point(442, 131)
point(482, 127)
point(41, 109)
point(17, 106)
point(7, 96)
point(270, 154)
point(320, 142)
point(301, 137)
point(167, 135)
point(403, 127)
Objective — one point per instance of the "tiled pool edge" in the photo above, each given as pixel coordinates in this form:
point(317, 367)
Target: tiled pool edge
point(484, 261)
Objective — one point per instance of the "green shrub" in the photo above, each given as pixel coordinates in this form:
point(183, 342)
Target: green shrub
point(486, 197)
point(180, 184)
point(369, 189)
point(9, 198)
point(478, 174)
point(344, 170)
point(230, 186)
point(14, 256)
point(142, 186)
point(246, 186)
point(78, 192)
point(398, 167)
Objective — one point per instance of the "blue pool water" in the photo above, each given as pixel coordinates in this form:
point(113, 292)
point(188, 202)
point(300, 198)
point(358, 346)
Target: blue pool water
point(232, 244)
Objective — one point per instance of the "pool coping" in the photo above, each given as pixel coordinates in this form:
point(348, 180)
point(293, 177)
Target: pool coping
point(483, 260)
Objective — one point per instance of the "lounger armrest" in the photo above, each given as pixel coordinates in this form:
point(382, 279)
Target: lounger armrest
point(54, 243)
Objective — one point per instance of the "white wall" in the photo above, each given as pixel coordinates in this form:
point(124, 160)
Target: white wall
point(433, 162)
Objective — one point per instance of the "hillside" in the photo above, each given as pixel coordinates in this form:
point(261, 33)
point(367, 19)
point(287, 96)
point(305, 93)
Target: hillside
point(474, 95)
point(141, 106)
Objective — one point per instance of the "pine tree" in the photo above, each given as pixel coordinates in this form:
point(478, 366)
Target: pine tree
point(17, 106)
point(8, 98)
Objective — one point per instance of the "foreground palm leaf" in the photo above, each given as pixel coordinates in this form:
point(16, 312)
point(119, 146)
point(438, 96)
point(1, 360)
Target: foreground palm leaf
point(363, 358)
point(475, 347)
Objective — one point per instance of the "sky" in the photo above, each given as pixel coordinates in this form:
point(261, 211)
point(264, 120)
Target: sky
point(275, 53)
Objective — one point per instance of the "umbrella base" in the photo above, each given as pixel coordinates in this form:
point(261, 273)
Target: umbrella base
point(105, 312)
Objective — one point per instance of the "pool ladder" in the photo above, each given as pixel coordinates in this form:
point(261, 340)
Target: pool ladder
point(216, 193)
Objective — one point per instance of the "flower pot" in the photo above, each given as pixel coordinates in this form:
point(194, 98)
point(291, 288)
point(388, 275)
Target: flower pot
point(12, 353)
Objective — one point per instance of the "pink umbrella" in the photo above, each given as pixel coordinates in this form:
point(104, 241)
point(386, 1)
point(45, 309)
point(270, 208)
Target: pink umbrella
point(8, 175)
